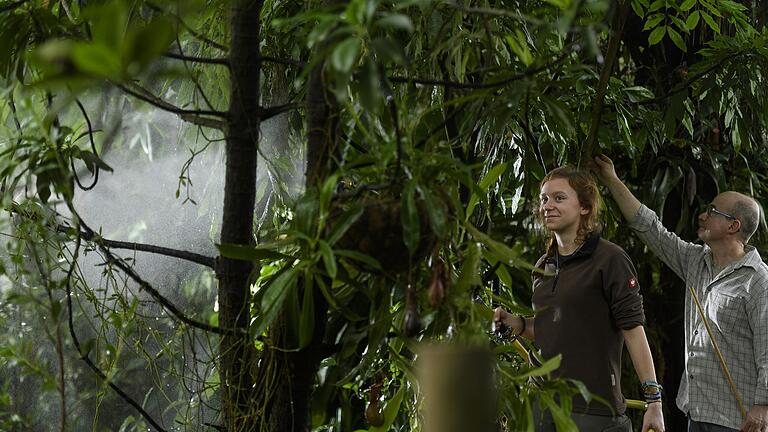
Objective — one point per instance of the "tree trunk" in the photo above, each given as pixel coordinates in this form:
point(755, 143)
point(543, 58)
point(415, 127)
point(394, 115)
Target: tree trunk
point(236, 352)
point(287, 378)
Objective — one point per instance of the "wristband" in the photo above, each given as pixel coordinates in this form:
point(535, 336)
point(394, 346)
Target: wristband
point(522, 329)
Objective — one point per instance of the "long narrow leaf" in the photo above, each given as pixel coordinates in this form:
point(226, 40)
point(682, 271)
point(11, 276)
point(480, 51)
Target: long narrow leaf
point(342, 224)
point(275, 295)
point(490, 178)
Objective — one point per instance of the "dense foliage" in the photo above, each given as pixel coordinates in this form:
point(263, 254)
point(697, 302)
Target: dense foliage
point(399, 145)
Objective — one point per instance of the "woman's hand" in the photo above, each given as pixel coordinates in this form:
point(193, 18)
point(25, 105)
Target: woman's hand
point(502, 318)
point(653, 418)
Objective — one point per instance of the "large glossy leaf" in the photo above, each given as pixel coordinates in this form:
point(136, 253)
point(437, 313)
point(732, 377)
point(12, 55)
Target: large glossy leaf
point(275, 295)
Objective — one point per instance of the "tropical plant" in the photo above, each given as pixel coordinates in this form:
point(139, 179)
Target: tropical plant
point(377, 160)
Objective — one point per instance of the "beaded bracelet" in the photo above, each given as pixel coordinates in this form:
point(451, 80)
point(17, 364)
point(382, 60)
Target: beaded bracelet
point(651, 391)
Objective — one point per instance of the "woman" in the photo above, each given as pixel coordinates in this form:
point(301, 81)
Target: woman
point(587, 305)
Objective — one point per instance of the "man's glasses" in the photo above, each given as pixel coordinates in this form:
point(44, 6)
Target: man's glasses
point(712, 209)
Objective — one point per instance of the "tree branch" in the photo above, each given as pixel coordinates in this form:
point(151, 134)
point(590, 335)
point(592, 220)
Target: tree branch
point(198, 117)
point(207, 60)
point(84, 355)
point(186, 27)
point(605, 76)
point(476, 86)
point(11, 6)
point(269, 112)
point(93, 148)
point(89, 235)
point(207, 261)
point(695, 77)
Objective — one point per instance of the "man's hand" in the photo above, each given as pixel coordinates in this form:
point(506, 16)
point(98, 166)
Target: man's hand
point(603, 168)
point(757, 419)
point(653, 418)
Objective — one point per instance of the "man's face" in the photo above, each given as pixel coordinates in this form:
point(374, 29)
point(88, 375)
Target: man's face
point(716, 220)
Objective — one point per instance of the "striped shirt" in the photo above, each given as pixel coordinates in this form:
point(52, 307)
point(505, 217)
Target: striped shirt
point(735, 302)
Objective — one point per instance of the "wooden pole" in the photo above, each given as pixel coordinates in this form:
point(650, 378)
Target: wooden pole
point(719, 354)
point(458, 386)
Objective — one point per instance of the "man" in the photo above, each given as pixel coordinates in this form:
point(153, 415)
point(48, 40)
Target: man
point(731, 281)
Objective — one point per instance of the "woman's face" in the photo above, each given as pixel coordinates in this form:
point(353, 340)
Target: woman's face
point(559, 206)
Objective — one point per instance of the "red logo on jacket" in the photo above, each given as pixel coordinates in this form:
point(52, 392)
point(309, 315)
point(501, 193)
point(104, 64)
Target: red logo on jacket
point(632, 283)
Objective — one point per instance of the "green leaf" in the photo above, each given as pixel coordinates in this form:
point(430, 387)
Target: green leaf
point(145, 44)
point(96, 59)
point(658, 4)
point(638, 93)
point(653, 21)
point(547, 367)
point(562, 420)
point(519, 45)
point(275, 294)
point(710, 22)
point(503, 252)
point(357, 256)
point(91, 161)
point(409, 217)
point(731, 6)
point(677, 39)
point(687, 5)
point(343, 222)
point(108, 23)
point(249, 253)
point(306, 214)
point(504, 276)
point(693, 20)
point(436, 214)
point(344, 56)
point(396, 22)
point(493, 175)
point(562, 4)
point(657, 35)
point(560, 113)
point(326, 192)
point(307, 318)
point(679, 23)
point(736, 136)
point(638, 8)
point(329, 260)
point(688, 124)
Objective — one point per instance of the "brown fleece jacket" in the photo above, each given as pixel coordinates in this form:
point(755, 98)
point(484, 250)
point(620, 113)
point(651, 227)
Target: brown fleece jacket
point(582, 304)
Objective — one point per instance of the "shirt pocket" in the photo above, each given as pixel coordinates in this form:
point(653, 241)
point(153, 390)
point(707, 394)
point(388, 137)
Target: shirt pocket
point(726, 312)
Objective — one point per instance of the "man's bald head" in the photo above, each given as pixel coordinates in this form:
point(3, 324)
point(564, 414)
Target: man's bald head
point(746, 210)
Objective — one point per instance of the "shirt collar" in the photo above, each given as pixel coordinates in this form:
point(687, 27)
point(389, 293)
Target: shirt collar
point(585, 250)
point(750, 259)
